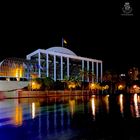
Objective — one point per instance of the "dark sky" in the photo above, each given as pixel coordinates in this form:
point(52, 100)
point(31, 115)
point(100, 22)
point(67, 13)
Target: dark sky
point(95, 30)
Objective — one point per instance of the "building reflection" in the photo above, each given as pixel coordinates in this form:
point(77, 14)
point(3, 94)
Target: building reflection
point(121, 104)
point(44, 116)
point(136, 108)
point(106, 101)
point(93, 106)
point(18, 115)
point(72, 107)
point(57, 118)
point(33, 110)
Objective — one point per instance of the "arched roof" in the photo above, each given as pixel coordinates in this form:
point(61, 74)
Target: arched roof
point(13, 60)
point(61, 50)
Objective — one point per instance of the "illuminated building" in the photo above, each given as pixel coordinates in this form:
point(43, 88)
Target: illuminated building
point(59, 62)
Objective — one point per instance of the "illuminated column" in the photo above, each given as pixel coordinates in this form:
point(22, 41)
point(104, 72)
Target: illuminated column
point(87, 71)
point(82, 70)
point(92, 71)
point(47, 65)
point(54, 62)
point(28, 57)
point(68, 67)
point(101, 71)
point(61, 68)
point(39, 70)
point(96, 71)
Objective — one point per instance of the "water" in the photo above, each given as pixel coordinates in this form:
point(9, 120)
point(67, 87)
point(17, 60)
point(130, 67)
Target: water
point(95, 117)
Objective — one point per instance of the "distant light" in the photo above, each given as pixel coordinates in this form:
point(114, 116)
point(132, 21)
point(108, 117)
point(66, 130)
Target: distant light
point(120, 87)
point(65, 41)
point(122, 74)
point(134, 86)
point(33, 83)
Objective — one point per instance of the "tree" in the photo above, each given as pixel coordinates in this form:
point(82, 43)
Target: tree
point(36, 84)
point(48, 83)
point(72, 82)
point(42, 83)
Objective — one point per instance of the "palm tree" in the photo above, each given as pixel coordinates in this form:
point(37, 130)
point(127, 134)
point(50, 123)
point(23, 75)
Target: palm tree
point(86, 74)
point(43, 83)
point(72, 82)
point(48, 83)
point(91, 76)
point(36, 84)
point(38, 80)
point(82, 75)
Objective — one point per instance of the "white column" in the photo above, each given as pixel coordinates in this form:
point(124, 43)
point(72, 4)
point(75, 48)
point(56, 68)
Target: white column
point(92, 71)
point(96, 71)
point(28, 57)
point(101, 71)
point(47, 65)
point(61, 68)
point(39, 64)
point(54, 64)
point(68, 67)
point(87, 71)
point(82, 69)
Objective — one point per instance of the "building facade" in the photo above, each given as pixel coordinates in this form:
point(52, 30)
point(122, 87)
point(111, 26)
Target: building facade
point(17, 68)
point(59, 62)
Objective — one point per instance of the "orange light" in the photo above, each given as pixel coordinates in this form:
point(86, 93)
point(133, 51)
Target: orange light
point(33, 83)
point(120, 87)
point(134, 86)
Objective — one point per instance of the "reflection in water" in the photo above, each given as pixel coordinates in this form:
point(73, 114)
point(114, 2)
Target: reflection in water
point(121, 103)
point(52, 118)
point(33, 110)
point(18, 118)
point(136, 105)
point(93, 106)
point(106, 100)
point(72, 107)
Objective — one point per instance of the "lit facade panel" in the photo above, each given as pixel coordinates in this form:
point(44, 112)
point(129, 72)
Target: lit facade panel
point(17, 67)
point(60, 62)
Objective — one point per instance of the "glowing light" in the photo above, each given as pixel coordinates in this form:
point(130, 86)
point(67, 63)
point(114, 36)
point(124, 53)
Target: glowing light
point(65, 41)
point(106, 87)
point(134, 86)
point(33, 83)
point(92, 86)
point(71, 85)
point(120, 87)
point(17, 73)
point(35, 86)
point(93, 95)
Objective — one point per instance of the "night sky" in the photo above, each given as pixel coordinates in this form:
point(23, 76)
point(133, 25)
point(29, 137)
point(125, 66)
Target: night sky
point(92, 30)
